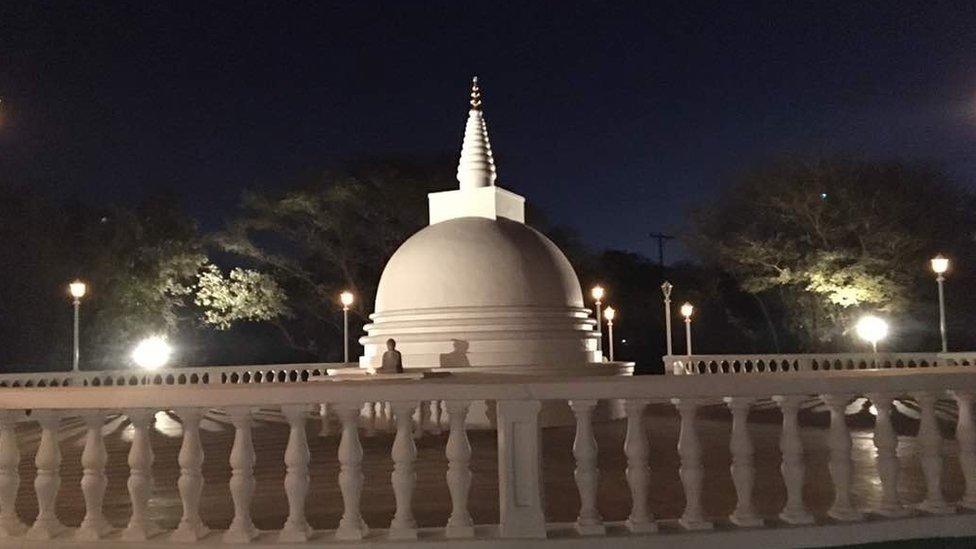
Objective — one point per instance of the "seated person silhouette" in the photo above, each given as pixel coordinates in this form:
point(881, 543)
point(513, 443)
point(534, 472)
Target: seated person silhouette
point(392, 359)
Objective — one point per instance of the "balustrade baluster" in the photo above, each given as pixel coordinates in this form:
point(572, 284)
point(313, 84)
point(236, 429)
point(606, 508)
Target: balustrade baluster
point(140, 476)
point(886, 442)
point(587, 475)
point(638, 473)
point(691, 471)
point(296, 527)
point(930, 441)
point(47, 482)
point(370, 419)
point(743, 470)
point(418, 429)
point(351, 526)
point(10, 523)
point(458, 452)
point(435, 417)
point(190, 483)
point(841, 465)
point(242, 483)
point(326, 429)
point(403, 478)
point(966, 437)
point(390, 420)
point(792, 467)
point(93, 481)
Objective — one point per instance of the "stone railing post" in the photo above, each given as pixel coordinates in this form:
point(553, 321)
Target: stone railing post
point(930, 441)
point(190, 483)
point(743, 470)
point(886, 442)
point(520, 470)
point(140, 476)
point(841, 466)
point(10, 524)
point(351, 525)
point(296, 526)
point(966, 437)
point(587, 475)
point(418, 429)
point(93, 480)
point(403, 478)
point(458, 452)
point(47, 482)
point(242, 458)
point(638, 474)
point(691, 471)
point(370, 422)
point(325, 430)
point(435, 417)
point(792, 467)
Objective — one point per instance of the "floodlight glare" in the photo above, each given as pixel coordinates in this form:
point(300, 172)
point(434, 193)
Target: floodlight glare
point(871, 329)
point(152, 353)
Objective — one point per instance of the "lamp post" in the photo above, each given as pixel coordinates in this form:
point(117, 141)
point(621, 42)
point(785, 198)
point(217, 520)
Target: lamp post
point(610, 313)
point(940, 264)
point(597, 293)
point(346, 298)
point(666, 290)
point(686, 311)
point(77, 289)
point(871, 329)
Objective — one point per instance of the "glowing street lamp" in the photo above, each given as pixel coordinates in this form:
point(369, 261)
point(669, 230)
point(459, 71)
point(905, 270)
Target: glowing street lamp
point(610, 313)
point(346, 298)
point(940, 264)
point(871, 329)
point(686, 311)
point(152, 353)
point(598, 293)
point(666, 290)
point(77, 290)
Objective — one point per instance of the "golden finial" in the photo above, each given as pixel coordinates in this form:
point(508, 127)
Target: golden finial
point(475, 95)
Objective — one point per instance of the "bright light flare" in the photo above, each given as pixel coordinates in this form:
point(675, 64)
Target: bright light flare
point(77, 289)
point(687, 310)
point(597, 292)
point(152, 353)
point(346, 298)
point(609, 313)
point(871, 329)
point(940, 264)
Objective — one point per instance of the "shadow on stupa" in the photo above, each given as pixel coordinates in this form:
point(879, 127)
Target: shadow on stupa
point(458, 358)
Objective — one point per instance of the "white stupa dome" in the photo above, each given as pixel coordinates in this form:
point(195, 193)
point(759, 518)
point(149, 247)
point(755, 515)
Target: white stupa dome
point(478, 262)
point(478, 288)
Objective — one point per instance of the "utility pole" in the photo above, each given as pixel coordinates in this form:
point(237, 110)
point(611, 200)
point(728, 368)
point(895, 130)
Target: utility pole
point(661, 241)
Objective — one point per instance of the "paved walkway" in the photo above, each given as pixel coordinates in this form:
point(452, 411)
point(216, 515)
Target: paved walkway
point(432, 500)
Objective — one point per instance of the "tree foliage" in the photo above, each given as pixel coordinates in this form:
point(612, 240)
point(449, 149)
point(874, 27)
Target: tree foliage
point(819, 241)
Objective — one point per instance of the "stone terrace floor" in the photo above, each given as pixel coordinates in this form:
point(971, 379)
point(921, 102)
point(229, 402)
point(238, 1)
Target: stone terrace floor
point(432, 500)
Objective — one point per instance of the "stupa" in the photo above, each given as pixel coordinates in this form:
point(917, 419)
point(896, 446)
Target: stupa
point(478, 290)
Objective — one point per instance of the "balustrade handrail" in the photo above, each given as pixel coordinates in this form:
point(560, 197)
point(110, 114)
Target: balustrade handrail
point(760, 363)
point(205, 375)
point(487, 387)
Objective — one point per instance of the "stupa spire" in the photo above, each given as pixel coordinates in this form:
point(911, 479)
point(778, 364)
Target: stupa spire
point(476, 168)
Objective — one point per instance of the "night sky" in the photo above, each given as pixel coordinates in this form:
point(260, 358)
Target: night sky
point(613, 119)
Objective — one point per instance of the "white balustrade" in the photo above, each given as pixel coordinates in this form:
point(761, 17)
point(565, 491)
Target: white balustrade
point(370, 412)
point(190, 483)
point(47, 483)
point(742, 469)
point(778, 364)
point(792, 466)
point(930, 442)
point(458, 453)
point(841, 466)
point(296, 527)
point(638, 474)
point(886, 443)
point(691, 470)
point(519, 459)
point(326, 419)
point(93, 480)
point(10, 524)
point(403, 479)
point(140, 527)
point(587, 474)
point(966, 438)
point(242, 460)
point(435, 417)
point(351, 525)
